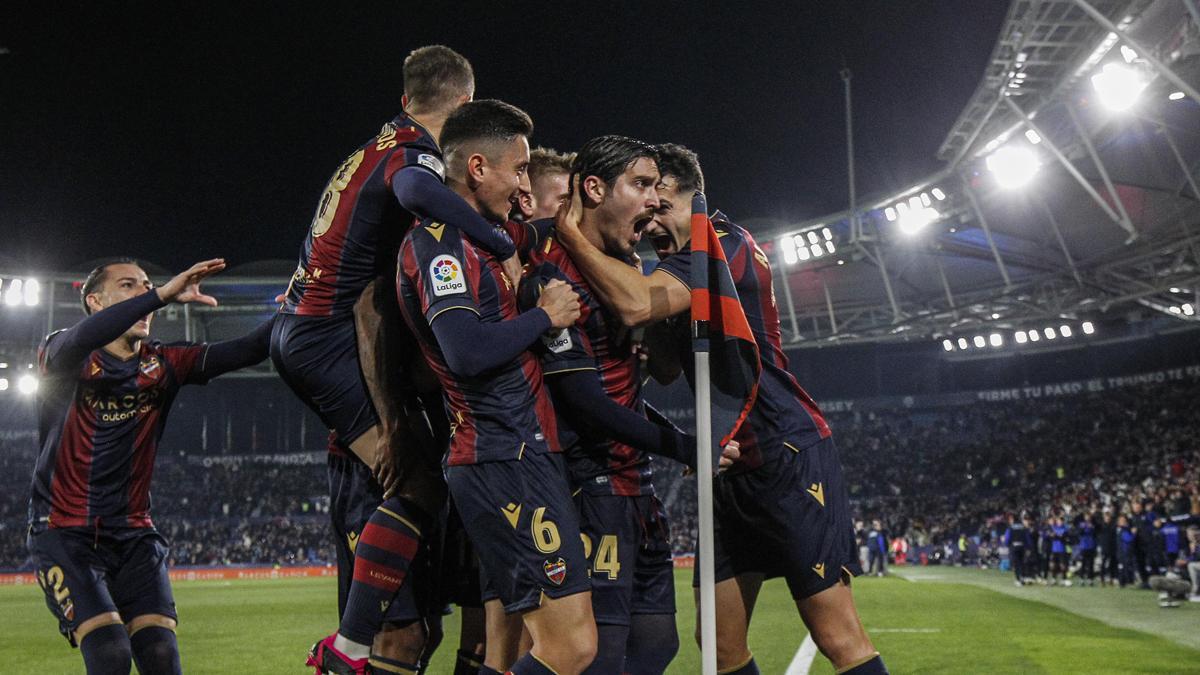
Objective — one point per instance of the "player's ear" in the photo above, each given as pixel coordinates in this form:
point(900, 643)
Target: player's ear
point(593, 188)
point(404, 100)
point(476, 167)
point(93, 303)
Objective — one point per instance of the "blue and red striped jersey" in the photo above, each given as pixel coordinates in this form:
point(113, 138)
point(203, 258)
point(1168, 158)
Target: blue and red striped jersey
point(499, 414)
point(359, 224)
point(99, 423)
point(600, 343)
point(784, 415)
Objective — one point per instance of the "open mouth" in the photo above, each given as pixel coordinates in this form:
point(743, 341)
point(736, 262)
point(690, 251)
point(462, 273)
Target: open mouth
point(662, 241)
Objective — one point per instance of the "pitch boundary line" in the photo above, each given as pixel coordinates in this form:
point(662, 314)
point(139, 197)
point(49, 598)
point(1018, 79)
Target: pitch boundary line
point(804, 657)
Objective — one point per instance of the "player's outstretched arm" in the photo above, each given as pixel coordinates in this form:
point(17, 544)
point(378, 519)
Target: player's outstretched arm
point(68, 348)
point(473, 347)
point(229, 355)
point(634, 298)
point(420, 192)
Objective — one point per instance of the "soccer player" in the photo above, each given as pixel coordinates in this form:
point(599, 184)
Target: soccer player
point(549, 181)
point(1087, 550)
point(365, 209)
point(505, 468)
point(782, 509)
point(103, 402)
point(592, 369)
point(1016, 539)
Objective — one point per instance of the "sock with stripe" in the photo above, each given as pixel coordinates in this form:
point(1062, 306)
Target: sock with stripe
point(384, 551)
point(381, 664)
point(467, 662)
point(106, 650)
point(872, 666)
point(747, 668)
point(529, 665)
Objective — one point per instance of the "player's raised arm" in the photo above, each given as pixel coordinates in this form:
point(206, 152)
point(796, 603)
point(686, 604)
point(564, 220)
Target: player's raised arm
point(230, 355)
point(116, 305)
point(634, 298)
point(463, 336)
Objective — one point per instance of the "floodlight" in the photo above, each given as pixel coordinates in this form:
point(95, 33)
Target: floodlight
point(812, 237)
point(1176, 290)
point(1175, 309)
point(948, 345)
point(1088, 328)
point(925, 201)
point(1175, 96)
point(827, 233)
point(1118, 86)
point(1065, 330)
point(1128, 54)
point(830, 247)
point(789, 250)
point(890, 214)
point(995, 340)
point(962, 343)
point(816, 251)
point(13, 296)
point(1033, 136)
point(1034, 336)
point(802, 253)
point(979, 341)
point(1188, 309)
point(938, 194)
point(1021, 337)
point(3, 384)
point(33, 292)
point(27, 384)
point(1049, 332)
point(1013, 165)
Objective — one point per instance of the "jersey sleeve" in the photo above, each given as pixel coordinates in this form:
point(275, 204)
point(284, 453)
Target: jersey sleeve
point(414, 148)
point(440, 271)
point(678, 266)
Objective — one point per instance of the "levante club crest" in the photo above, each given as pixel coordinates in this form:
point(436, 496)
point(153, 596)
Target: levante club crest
point(556, 571)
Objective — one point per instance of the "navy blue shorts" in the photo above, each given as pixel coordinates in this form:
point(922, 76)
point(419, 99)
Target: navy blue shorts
point(458, 565)
point(789, 518)
point(354, 494)
point(520, 518)
point(317, 357)
point(627, 542)
point(85, 575)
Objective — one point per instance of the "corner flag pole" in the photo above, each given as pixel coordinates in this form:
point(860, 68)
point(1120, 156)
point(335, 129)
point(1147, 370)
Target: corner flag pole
point(704, 477)
point(704, 439)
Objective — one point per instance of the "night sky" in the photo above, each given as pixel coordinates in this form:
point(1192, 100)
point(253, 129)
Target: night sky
point(175, 132)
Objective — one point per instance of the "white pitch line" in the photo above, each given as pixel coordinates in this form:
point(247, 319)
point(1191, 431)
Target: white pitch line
point(804, 657)
point(872, 631)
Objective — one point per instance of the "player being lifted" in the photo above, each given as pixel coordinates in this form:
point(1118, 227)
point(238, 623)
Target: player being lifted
point(505, 468)
point(105, 393)
point(360, 219)
point(782, 509)
point(592, 369)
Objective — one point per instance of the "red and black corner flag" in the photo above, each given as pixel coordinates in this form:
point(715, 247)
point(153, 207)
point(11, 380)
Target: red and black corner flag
point(719, 327)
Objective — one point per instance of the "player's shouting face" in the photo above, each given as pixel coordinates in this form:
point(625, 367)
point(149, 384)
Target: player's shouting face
point(625, 206)
point(671, 226)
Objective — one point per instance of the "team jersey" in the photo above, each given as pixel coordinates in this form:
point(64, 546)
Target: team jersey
point(499, 414)
point(359, 223)
point(99, 425)
point(599, 343)
point(784, 415)
point(1058, 537)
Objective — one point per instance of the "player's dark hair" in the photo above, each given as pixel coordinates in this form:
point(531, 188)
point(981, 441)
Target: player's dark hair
point(488, 121)
point(607, 157)
point(676, 160)
point(544, 161)
point(96, 278)
point(435, 76)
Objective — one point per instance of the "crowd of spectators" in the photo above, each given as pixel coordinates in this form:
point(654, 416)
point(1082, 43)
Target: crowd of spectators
point(943, 480)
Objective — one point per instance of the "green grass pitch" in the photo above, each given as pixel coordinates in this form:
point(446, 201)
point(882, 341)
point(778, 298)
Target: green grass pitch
point(948, 621)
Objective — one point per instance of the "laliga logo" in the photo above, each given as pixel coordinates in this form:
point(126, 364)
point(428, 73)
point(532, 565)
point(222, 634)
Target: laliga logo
point(446, 272)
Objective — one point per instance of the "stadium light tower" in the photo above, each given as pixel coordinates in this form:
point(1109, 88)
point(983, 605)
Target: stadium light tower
point(13, 295)
point(1013, 165)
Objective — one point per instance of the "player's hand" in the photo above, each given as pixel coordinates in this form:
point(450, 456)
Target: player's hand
point(570, 213)
point(185, 287)
point(513, 270)
point(561, 302)
point(280, 298)
point(384, 469)
point(729, 454)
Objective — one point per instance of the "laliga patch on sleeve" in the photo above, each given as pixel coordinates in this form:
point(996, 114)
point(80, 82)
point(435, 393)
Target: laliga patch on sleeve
point(432, 163)
point(558, 343)
point(447, 275)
